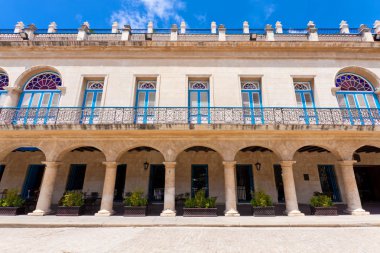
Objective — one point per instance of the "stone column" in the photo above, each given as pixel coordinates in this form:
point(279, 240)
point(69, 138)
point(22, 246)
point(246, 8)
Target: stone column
point(230, 188)
point(169, 197)
point(106, 207)
point(290, 189)
point(47, 188)
point(354, 205)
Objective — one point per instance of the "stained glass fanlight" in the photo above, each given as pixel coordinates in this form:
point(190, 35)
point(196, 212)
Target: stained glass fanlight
point(250, 85)
point(352, 82)
point(4, 81)
point(302, 86)
point(146, 85)
point(44, 81)
point(198, 85)
point(95, 85)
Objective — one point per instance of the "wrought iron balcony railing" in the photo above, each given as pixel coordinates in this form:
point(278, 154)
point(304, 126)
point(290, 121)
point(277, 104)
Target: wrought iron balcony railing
point(185, 115)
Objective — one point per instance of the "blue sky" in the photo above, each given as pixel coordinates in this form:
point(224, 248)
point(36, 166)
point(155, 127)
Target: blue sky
point(197, 13)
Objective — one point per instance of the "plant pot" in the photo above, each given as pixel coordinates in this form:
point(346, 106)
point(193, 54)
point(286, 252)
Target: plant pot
point(200, 212)
point(70, 210)
point(331, 210)
point(263, 211)
point(12, 210)
point(135, 211)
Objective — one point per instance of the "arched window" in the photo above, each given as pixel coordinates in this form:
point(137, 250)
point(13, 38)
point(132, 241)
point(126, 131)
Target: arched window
point(251, 101)
point(93, 94)
point(41, 91)
point(145, 101)
point(4, 82)
point(199, 102)
point(38, 98)
point(355, 92)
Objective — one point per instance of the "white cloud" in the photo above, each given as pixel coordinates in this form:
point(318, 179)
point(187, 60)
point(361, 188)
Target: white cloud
point(137, 13)
point(269, 9)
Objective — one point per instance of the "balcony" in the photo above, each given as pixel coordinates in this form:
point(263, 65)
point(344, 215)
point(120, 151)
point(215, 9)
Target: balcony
point(183, 115)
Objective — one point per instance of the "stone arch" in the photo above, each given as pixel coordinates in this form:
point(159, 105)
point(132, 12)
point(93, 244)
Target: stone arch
point(6, 151)
point(178, 151)
point(355, 148)
point(272, 149)
point(61, 154)
point(333, 150)
point(27, 74)
point(367, 74)
point(119, 154)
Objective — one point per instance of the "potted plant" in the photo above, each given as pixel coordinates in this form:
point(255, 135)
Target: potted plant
point(135, 204)
point(200, 206)
point(321, 204)
point(262, 204)
point(71, 204)
point(11, 204)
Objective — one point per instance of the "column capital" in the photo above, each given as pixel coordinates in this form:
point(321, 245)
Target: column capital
point(111, 164)
point(51, 164)
point(169, 165)
point(287, 163)
point(229, 163)
point(347, 162)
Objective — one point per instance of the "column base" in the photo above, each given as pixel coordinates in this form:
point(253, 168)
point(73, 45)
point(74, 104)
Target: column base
point(168, 213)
point(294, 213)
point(38, 212)
point(231, 213)
point(357, 212)
point(104, 213)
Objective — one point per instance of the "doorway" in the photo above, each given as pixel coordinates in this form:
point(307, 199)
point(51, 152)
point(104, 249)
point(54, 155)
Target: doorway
point(156, 183)
point(199, 178)
point(76, 176)
point(32, 182)
point(279, 183)
point(120, 182)
point(367, 180)
point(244, 182)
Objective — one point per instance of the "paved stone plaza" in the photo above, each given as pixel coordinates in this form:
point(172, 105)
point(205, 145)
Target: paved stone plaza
point(188, 239)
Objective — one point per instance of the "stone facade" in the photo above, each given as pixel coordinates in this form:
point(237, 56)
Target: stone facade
point(276, 64)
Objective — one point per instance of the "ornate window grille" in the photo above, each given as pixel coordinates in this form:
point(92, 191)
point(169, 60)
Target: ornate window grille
point(353, 82)
point(146, 85)
point(4, 80)
point(299, 86)
point(198, 85)
point(95, 85)
point(250, 85)
point(44, 81)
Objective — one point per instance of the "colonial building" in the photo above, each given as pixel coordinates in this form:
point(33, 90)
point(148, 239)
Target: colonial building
point(170, 111)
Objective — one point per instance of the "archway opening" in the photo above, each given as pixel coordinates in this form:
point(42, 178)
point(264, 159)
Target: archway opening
point(258, 169)
point(22, 171)
point(367, 174)
point(141, 169)
point(199, 168)
point(317, 170)
point(82, 170)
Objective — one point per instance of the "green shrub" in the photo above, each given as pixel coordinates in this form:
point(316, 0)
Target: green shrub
point(73, 198)
point(260, 199)
point(135, 199)
point(11, 199)
point(200, 201)
point(321, 200)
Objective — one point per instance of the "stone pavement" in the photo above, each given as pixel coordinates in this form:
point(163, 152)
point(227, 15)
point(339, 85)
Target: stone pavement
point(25, 221)
point(190, 239)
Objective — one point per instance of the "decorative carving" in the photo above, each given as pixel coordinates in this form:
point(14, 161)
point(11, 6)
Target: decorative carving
point(44, 81)
point(352, 82)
